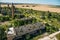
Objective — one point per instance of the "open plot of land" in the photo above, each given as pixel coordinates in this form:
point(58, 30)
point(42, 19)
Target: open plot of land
point(42, 8)
point(39, 7)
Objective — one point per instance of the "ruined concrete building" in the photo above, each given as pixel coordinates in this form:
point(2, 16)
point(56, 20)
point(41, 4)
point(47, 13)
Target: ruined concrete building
point(22, 30)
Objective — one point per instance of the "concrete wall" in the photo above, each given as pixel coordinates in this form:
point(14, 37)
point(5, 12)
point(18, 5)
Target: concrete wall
point(28, 28)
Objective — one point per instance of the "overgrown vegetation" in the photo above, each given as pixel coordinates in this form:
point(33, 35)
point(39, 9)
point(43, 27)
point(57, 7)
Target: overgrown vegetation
point(2, 33)
point(51, 19)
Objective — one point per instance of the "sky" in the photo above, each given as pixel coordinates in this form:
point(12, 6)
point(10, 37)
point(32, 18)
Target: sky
point(51, 2)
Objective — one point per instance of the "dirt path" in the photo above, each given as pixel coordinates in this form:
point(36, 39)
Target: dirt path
point(50, 37)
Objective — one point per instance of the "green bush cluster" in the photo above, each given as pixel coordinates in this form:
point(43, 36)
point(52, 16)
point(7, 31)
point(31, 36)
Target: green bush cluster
point(23, 22)
point(51, 29)
point(4, 18)
point(18, 16)
point(2, 33)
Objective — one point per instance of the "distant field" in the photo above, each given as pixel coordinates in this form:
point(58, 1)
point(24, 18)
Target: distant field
point(55, 6)
point(39, 7)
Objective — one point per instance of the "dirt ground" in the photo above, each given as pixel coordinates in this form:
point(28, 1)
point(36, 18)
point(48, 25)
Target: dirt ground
point(38, 7)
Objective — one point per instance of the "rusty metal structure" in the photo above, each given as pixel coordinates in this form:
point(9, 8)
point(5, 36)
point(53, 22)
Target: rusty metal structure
point(0, 7)
point(12, 10)
point(8, 5)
